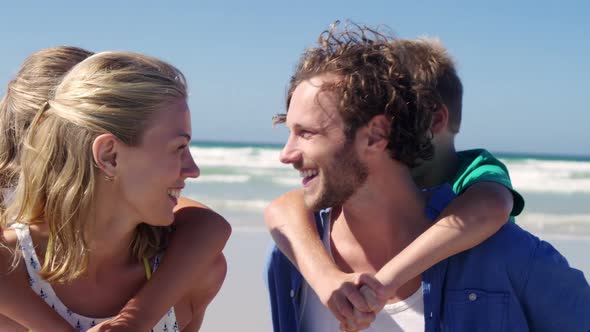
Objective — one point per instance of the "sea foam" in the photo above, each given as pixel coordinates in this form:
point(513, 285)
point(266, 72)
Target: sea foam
point(254, 164)
point(547, 176)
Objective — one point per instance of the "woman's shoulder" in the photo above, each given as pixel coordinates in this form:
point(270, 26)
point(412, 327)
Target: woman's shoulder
point(9, 238)
point(193, 216)
point(12, 267)
point(11, 251)
point(12, 276)
point(8, 250)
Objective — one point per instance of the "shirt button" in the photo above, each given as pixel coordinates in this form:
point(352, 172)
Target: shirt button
point(292, 293)
point(472, 297)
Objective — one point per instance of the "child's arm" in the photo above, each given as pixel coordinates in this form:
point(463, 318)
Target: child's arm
point(18, 302)
point(195, 248)
point(293, 229)
point(467, 221)
point(470, 219)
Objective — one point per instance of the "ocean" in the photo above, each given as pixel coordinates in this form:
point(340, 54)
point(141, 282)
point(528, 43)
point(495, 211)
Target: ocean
point(239, 179)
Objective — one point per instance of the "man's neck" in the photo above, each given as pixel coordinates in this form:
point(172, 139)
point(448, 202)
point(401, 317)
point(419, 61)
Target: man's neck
point(379, 221)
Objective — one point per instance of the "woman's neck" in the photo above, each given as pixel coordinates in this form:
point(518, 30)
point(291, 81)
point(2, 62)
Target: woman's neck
point(110, 233)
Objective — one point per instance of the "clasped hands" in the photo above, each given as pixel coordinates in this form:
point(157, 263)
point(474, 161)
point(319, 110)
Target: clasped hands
point(353, 298)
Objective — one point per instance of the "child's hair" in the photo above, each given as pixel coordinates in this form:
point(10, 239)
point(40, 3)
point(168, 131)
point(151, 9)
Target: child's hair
point(110, 92)
point(429, 63)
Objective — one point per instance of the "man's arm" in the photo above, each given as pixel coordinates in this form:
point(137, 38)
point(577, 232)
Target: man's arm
point(194, 250)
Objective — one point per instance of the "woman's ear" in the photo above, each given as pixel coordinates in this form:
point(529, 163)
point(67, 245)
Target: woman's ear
point(378, 132)
point(104, 152)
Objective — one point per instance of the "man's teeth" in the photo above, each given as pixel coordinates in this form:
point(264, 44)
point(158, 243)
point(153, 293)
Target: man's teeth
point(174, 192)
point(308, 173)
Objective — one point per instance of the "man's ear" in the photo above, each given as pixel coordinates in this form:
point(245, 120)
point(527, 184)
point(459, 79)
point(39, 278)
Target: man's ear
point(378, 132)
point(440, 119)
point(104, 152)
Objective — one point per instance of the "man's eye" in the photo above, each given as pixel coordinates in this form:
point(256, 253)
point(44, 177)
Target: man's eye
point(305, 134)
point(182, 147)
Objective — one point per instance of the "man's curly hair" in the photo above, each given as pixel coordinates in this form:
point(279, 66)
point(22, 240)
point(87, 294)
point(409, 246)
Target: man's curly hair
point(371, 81)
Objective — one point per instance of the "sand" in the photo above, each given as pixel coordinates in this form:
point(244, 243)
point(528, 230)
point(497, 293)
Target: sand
point(242, 302)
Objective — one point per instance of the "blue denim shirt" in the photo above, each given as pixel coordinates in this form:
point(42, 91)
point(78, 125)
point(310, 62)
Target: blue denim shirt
point(511, 282)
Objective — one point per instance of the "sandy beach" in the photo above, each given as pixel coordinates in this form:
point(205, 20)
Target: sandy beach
point(242, 303)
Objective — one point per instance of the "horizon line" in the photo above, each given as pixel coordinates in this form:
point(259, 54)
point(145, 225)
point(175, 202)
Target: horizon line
point(532, 155)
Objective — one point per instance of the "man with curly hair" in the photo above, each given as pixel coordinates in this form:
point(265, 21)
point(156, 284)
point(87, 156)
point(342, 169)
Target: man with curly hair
point(358, 124)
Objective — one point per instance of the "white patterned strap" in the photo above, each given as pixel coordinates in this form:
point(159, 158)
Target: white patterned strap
point(25, 243)
point(167, 323)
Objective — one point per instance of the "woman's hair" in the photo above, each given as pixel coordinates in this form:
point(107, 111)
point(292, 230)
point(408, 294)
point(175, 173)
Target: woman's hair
point(110, 92)
point(34, 83)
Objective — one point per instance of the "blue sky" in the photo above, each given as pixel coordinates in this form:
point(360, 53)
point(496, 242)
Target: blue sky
point(524, 65)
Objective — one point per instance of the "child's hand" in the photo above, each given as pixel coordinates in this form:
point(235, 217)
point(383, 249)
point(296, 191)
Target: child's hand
point(375, 299)
point(361, 321)
point(340, 293)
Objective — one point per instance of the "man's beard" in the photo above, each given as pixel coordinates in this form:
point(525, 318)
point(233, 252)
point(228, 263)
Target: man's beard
point(340, 180)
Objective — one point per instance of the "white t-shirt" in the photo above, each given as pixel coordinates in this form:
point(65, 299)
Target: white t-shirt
point(406, 315)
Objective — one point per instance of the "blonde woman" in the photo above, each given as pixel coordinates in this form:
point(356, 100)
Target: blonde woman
point(102, 169)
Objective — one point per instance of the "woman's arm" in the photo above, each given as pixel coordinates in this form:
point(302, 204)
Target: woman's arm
point(194, 250)
point(19, 305)
point(204, 291)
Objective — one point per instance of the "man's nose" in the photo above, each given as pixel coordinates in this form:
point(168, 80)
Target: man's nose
point(290, 152)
